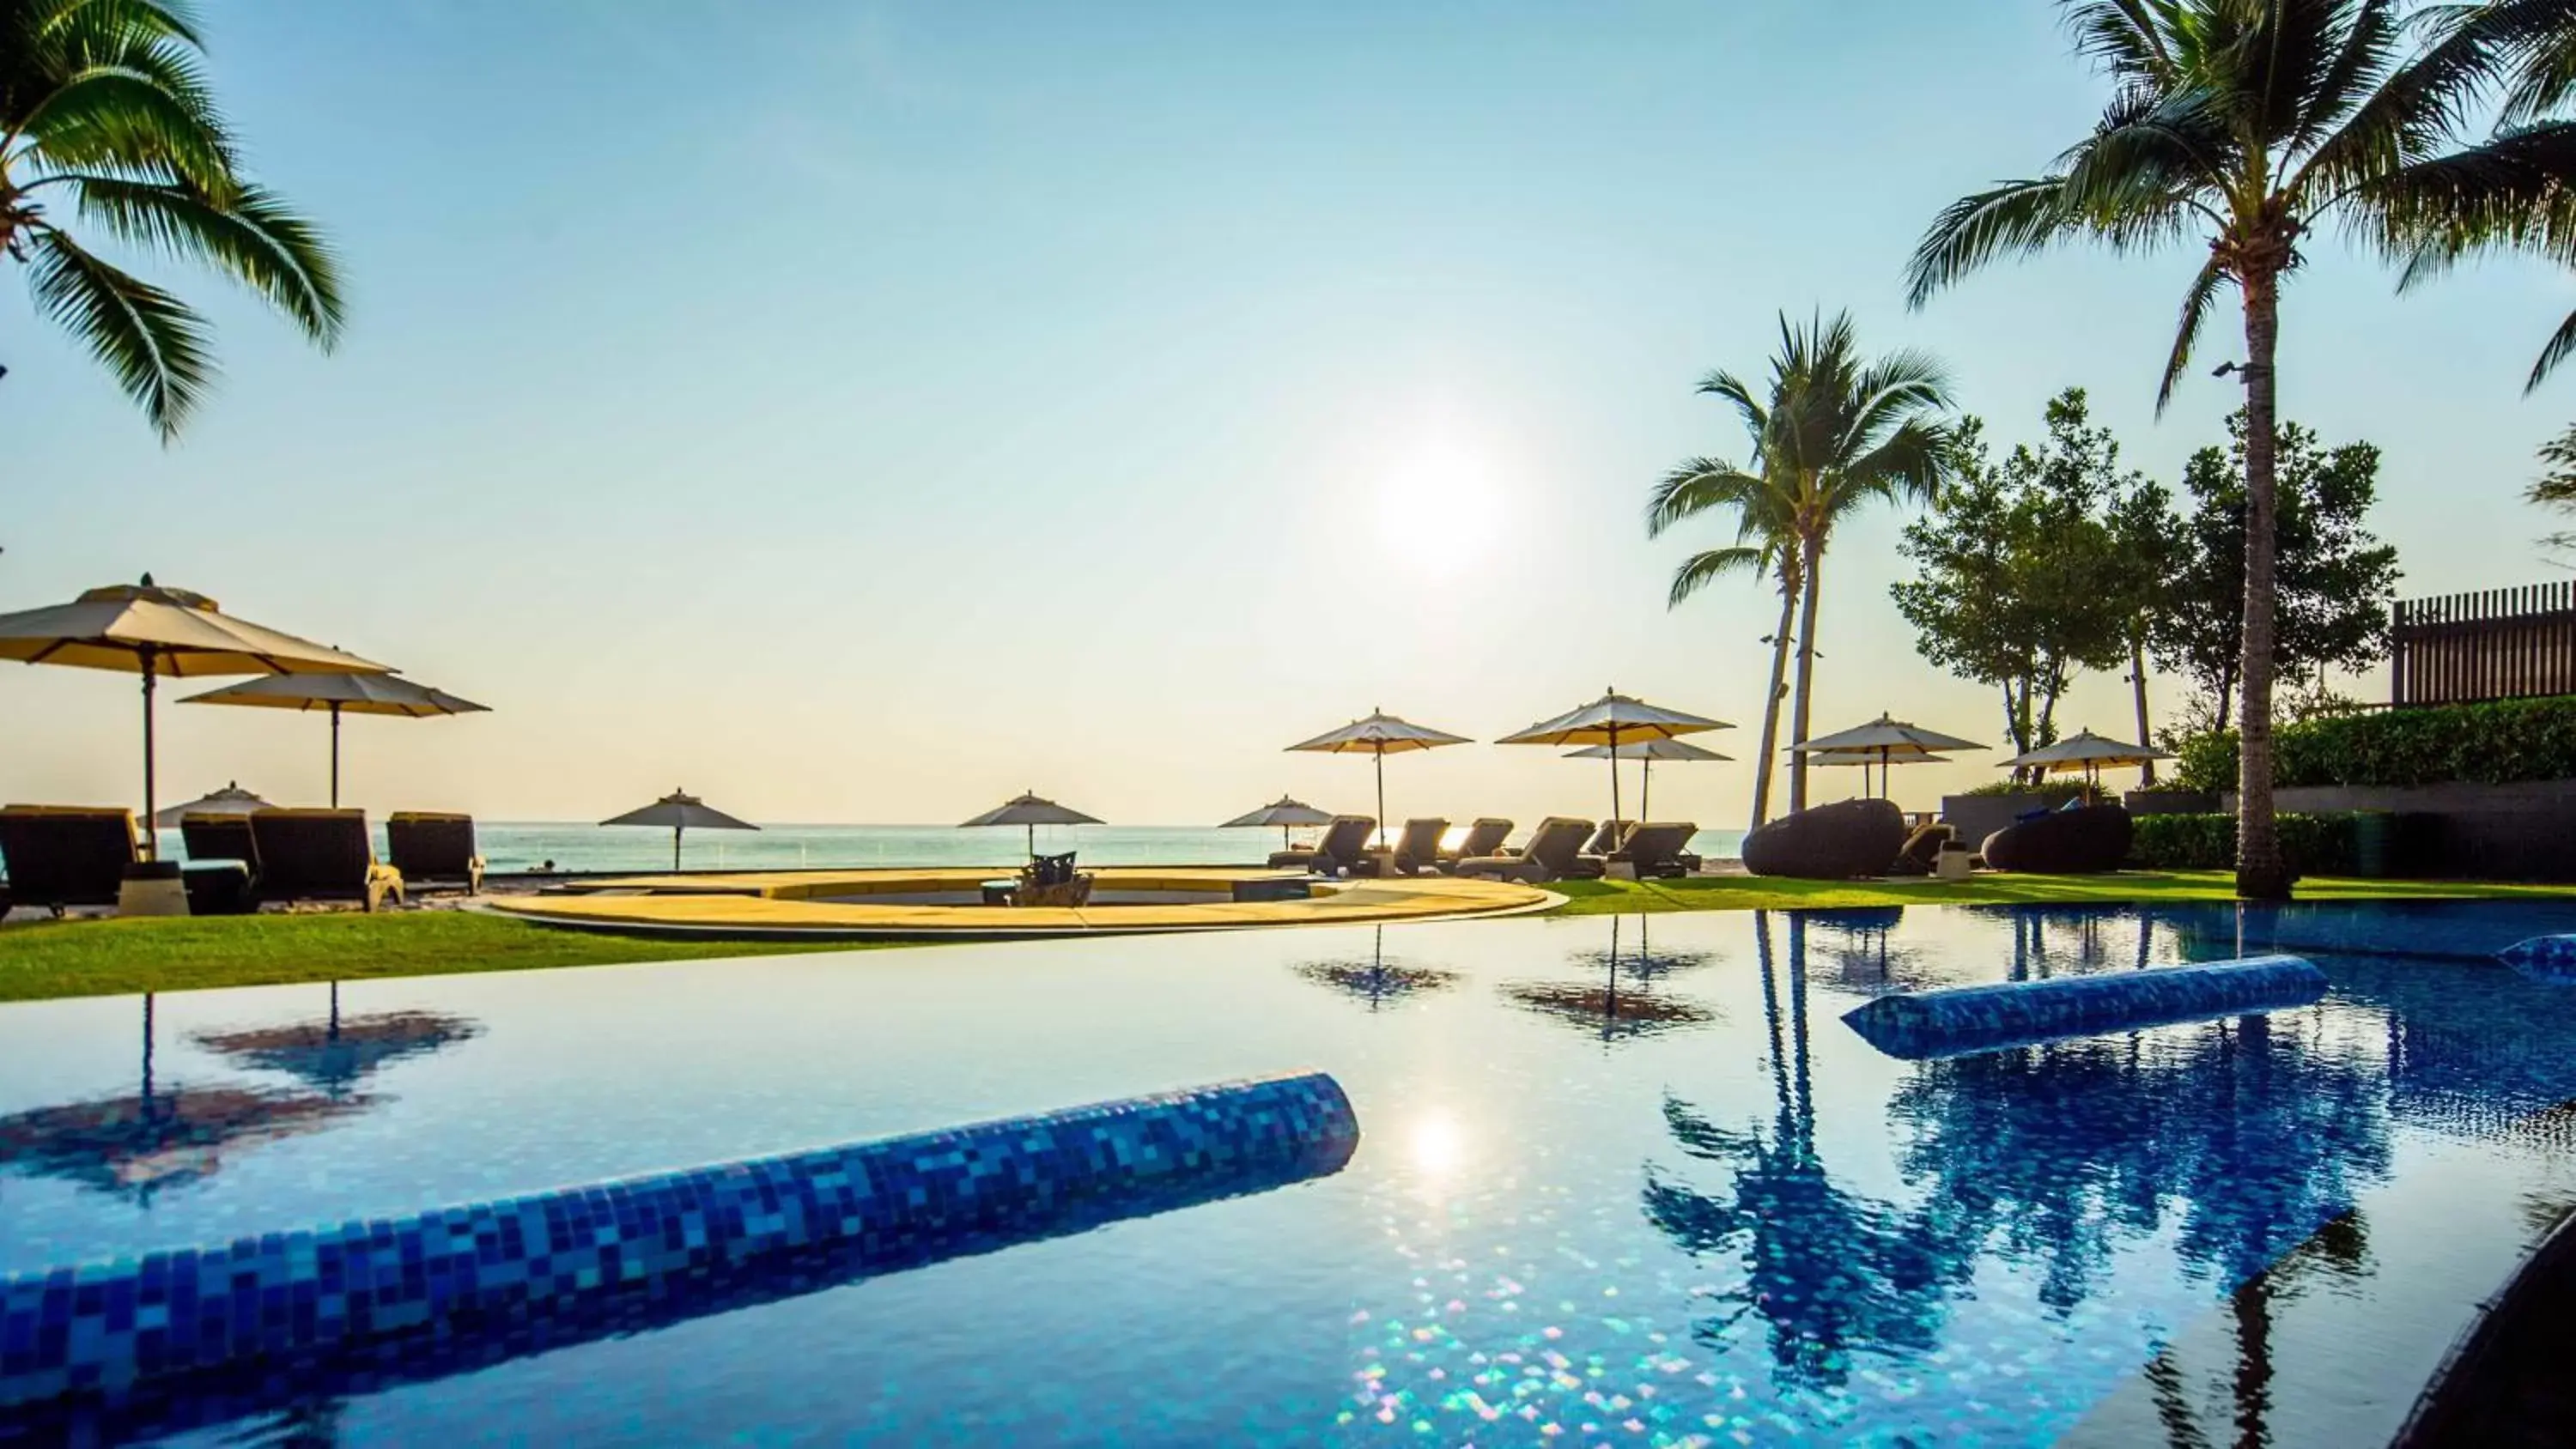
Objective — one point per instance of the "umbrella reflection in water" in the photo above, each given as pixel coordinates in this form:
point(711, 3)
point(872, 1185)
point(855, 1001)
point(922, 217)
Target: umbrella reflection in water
point(1376, 980)
point(335, 1053)
point(1618, 1010)
point(166, 1137)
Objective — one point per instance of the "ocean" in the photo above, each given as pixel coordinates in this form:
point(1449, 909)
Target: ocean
point(526, 845)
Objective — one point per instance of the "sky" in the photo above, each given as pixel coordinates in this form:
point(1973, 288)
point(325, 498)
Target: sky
point(862, 412)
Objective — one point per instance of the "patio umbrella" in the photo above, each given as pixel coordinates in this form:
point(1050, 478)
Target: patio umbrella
point(388, 694)
point(1647, 752)
point(230, 800)
point(150, 630)
point(2085, 751)
point(681, 811)
point(1605, 721)
point(1379, 735)
point(1032, 810)
point(1883, 741)
point(1282, 812)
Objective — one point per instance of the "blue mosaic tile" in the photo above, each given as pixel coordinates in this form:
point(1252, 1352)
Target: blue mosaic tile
point(502, 1277)
point(1958, 1020)
point(2543, 958)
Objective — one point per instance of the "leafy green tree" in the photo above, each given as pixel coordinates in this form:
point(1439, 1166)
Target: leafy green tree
point(2247, 126)
point(2336, 579)
point(2147, 550)
point(2017, 577)
point(107, 129)
point(2556, 488)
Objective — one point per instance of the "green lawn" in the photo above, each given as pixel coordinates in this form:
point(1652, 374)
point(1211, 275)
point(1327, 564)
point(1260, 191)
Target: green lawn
point(112, 957)
point(1749, 893)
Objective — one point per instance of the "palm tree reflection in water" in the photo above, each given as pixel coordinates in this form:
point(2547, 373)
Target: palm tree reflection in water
point(2243, 1141)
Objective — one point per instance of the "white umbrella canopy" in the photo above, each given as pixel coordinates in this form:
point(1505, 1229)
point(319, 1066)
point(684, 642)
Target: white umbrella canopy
point(1032, 810)
point(150, 630)
point(679, 811)
point(1613, 720)
point(1283, 812)
point(1671, 751)
point(2085, 751)
point(230, 800)
point(1883, 741)
point(386, 694)
point(1380, 735)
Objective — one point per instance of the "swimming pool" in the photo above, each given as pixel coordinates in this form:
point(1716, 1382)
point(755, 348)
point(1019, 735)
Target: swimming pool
point(1620, 1181)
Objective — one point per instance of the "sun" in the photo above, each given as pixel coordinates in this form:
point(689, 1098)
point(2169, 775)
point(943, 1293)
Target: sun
point(1436, 509)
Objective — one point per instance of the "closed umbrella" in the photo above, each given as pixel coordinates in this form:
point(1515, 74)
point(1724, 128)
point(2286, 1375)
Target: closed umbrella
point(679, 811)
point(152, 631)
point(1282, 812)
point(1883, 741)
point(1378, 736)
point(1613, 719)
point(2085, 751)
point(386, 694)
point(1646, 752)
point(230, 800)
point(1032, 810)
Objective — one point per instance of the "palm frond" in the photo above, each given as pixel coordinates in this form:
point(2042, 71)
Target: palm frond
point(2516, 192)
point(2195, 310)
point(1701, 485)
point(2369, 46)
point(2124, 37)
point(2429, 97)
point(1709, 565)
point(1727, 385)
point(1912, 465)
point(2016, 218)
point(2554, 352)
point(148, 338)
point(257, 239)
point(131, 125)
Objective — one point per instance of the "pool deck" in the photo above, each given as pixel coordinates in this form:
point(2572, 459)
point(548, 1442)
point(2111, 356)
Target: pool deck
point(819, 904)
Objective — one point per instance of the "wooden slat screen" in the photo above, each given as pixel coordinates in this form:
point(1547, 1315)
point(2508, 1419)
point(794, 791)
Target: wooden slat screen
point(2498, 644)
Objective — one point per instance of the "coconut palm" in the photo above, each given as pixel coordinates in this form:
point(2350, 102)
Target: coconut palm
point(1835, 433)
point(1766, 546)
point(2247, 124)
point(107, 128)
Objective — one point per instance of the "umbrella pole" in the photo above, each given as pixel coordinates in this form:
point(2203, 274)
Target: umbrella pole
point(1646, 789)
point(151, 830)
point(335, 754)
point(1033, 840)
point(1380, 752)
point(675, 847)
point(1614, 784)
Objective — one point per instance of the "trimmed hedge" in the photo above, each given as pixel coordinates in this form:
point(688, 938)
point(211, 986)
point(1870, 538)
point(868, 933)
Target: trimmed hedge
point(2053, 792)
point(2313, 844)
point(2501, 743)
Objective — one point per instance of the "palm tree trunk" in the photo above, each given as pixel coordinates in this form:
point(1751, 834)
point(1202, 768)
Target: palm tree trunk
point(1766, 761)
point(1812, 561)
point(2138, 691)
point(2260, 875)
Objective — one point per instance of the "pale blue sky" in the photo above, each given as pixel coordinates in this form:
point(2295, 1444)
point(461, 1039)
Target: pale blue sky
point(859, 412)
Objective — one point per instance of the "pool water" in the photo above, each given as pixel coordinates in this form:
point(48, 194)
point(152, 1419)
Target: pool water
point(1621, 1181)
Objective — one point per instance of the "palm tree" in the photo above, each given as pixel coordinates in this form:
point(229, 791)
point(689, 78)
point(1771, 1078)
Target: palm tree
point(1766, 545)
point(2248, 124)
point(106, 121)
point(1838, 433)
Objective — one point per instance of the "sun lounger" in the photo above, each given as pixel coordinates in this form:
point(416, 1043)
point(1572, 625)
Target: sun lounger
point(1550, 855)
point(59, 856)
point(1417, 849)
point(1611, 835)
point(222, 874)
point(1051, 880)
point(320, 855)
point(1655, 849)
point(428, 848)
point(1484, 837)
point(1343, 848)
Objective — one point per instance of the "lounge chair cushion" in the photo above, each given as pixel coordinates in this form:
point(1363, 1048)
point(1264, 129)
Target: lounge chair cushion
point(59, 856)
point(1847, 840)
point(2086, 841)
